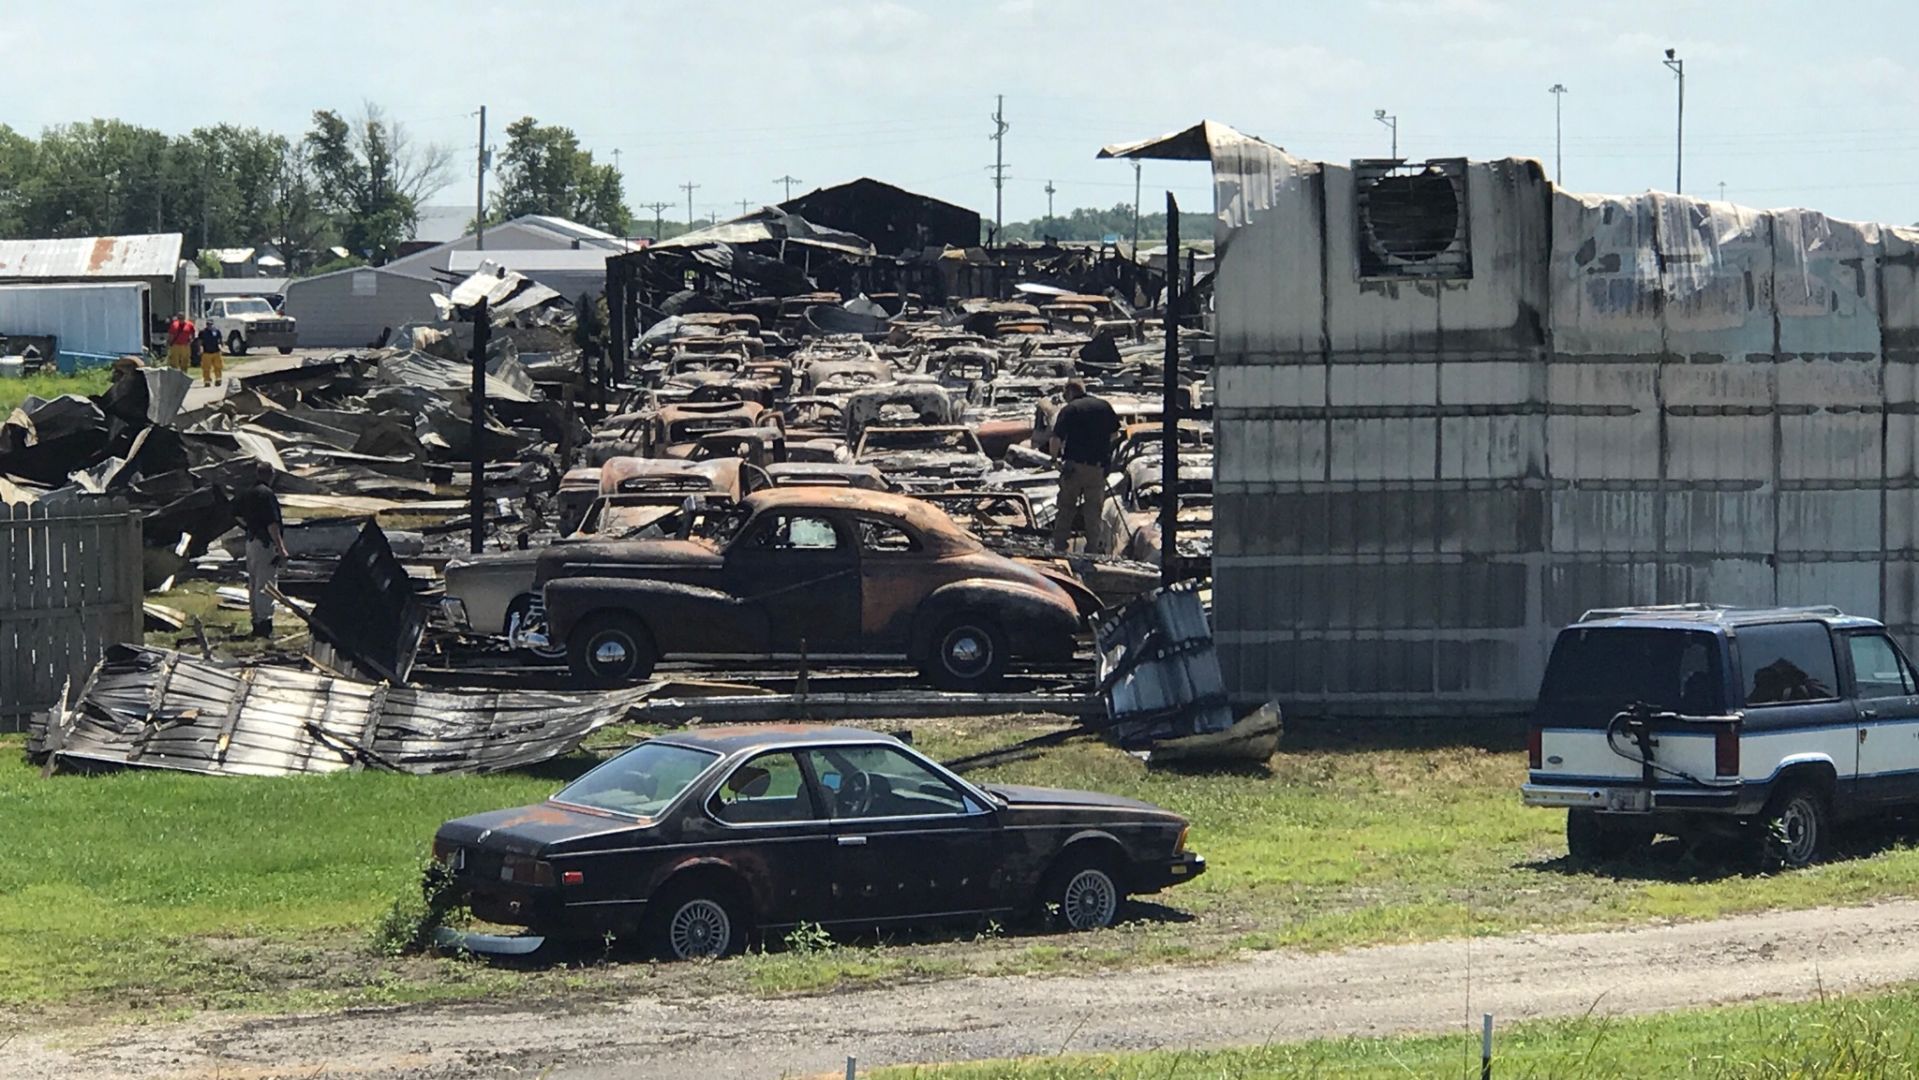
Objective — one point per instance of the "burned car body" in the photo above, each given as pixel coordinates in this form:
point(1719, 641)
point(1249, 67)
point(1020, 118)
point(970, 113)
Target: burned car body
point(923, 457)
point(829, 572)
point(697, 839)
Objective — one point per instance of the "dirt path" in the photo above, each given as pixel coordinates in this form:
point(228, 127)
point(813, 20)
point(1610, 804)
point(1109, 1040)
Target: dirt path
point(1277, 996)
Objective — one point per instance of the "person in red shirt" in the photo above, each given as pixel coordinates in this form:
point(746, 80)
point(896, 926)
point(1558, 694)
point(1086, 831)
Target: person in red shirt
point(180, 342)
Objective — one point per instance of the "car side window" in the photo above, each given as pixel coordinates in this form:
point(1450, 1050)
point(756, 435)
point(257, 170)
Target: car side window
point(1786, 663)
point(765, 790)
point(797, 532)
point(879, 782)
point(1877, 668)
point(880, 538)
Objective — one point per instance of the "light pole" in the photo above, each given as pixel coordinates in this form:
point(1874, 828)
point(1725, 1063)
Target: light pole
point(1136, 208)
point(1558, 91)
point(1393, 123)
point(1678, 67)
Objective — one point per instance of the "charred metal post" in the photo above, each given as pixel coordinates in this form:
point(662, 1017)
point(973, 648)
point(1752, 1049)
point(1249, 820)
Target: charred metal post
point(476, 493)
point(1169, 408)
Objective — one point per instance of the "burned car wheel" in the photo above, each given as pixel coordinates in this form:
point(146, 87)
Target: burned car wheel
point(696, 921)
point(968, 653)
point(1083, 891)
point(609, 649)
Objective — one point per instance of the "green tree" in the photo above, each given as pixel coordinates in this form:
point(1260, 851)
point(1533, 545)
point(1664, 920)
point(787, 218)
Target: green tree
point(544, 171)
point(298, 224)
point(19, 168)
point(223, 180)
point(371, 178)
point(96, 178)
point(1089, 224)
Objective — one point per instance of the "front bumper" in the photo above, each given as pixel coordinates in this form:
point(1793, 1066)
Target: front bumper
point(1632, 799)
point(1154, 876)
point(272, 339)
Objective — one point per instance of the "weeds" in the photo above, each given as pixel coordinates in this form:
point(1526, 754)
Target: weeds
point(408, 924)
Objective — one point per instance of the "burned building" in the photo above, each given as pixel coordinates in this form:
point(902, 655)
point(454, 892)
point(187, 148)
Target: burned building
point(1460, 406)
point(897, 221)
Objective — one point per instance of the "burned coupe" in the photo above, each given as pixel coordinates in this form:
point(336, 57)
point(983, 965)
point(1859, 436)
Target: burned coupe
point(834, 573)
point(697, 840)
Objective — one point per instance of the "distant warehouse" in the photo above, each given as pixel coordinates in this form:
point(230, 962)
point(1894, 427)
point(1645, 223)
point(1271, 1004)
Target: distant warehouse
point(1459, 406)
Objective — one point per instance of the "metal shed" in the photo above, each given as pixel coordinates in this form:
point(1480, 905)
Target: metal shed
point(349, 308)
point(1459, 406)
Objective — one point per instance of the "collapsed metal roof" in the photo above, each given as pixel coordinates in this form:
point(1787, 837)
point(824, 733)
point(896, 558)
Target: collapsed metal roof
point(145, 256)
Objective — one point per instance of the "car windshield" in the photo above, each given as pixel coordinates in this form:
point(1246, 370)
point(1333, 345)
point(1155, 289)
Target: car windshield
point(640, 782)
point(249, 307)
point(952, 439)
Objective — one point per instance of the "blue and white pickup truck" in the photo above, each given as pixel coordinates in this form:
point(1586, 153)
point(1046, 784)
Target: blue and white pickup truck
point(1767, 725)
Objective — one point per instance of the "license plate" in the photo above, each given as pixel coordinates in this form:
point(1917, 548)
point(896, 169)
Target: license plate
point(1628, 799)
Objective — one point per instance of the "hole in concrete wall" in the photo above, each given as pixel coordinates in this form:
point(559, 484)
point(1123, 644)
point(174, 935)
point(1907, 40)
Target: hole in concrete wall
point(1412, 219)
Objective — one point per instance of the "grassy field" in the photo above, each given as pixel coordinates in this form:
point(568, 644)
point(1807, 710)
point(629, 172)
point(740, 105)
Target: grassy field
point(1863, 1038)
point(177, 891)
point(85, 383)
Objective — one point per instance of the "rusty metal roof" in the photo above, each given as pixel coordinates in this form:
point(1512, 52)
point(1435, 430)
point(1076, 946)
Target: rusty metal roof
point(147, 256)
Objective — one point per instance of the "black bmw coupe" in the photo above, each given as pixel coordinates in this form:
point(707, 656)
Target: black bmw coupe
point(695, 840)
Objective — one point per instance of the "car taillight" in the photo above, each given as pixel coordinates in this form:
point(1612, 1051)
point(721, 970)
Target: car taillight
point(1535, 746)
point(524, 870)
point(1725, 750)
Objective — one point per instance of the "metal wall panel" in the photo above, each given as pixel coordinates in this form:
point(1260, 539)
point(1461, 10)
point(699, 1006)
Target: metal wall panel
point(1644, 399)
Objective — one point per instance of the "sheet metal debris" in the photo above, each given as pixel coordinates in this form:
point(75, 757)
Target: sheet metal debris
point(158, 709)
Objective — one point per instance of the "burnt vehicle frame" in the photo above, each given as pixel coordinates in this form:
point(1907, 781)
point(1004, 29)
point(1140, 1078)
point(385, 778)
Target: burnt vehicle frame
point(768, 827)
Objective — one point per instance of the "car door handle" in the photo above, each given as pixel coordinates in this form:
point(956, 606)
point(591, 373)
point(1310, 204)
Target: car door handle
point(1868, 713)
point(852, 841)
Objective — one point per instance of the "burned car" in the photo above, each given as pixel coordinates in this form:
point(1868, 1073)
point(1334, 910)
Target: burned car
point(939, 456)
point(698, 840)
point(832, 572)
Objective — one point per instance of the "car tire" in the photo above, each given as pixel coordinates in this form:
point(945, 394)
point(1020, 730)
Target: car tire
point(1593, 839)
point(1083, 891)
point(519, 612)
point(698, 919)
point(1795, 829)
point(286, 350)
point(236, 345)
point(967, 652)
point(610, 649)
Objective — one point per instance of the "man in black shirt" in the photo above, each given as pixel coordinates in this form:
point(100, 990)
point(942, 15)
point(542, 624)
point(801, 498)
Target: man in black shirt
point(258, 509)
point(1083, 431)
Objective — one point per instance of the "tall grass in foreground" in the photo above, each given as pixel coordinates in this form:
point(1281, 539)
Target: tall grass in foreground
point(86, 383)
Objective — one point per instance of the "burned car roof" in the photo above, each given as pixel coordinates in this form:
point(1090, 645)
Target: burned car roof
point(929, 520)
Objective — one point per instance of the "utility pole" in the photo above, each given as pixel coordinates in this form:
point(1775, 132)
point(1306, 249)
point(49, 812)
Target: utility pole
point(1722, 191)
point(1678, 68)
point(659, 225)
point(476, 487)
point(689, 187)
point(206, 195)
point(789, 181)
point(1169, 411)
point(1558, 91)
point(1049, 199)
point(744, 203)
point(479, 194)
point(999, 166)
point(1393, 123)
point(1136, 210)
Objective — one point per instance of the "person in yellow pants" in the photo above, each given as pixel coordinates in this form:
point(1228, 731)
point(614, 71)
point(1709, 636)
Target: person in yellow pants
point(213, 367)
point(180, 342)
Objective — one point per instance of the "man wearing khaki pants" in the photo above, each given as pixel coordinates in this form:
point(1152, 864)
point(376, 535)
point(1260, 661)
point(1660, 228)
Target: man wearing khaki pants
point(1082, 439)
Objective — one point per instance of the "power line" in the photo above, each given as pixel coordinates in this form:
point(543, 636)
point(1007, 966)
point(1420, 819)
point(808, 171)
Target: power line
point(658, 209)
point(789, 180)
point(689, 187)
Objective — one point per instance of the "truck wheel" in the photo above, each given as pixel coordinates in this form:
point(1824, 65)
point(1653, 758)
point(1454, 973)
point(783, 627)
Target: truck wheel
point(1794, 829)
point(610, 649)
point(236, 345)
point(286, 350)
point(968, 652)
point(1591, 838)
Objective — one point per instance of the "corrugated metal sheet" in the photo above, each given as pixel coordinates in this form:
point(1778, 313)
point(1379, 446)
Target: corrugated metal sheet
point(349, 308)
point(153, 255)
point(1642, 399)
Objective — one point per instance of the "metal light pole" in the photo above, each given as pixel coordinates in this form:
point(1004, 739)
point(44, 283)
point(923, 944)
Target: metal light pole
point(1393, 123)
point(479, 190)
point(1135, 209)
point(1558, 91)
point(1678, 67)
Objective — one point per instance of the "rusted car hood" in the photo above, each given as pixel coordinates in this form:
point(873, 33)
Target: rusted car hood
point(1020, 795)
point(530, 830)
point(625, 557)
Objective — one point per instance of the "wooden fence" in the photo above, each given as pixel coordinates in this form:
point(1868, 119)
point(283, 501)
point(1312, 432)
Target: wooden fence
point(70, 585)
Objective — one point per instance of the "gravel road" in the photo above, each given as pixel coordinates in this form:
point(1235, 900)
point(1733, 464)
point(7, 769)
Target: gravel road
point(1268, 996)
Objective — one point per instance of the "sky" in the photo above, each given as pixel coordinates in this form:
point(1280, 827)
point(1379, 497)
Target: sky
point(1786, 103)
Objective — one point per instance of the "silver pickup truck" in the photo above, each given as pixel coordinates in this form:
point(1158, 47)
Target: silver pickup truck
point(1763, 725)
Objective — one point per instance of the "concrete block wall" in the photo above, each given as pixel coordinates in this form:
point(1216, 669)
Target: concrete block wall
point(1634, 400)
